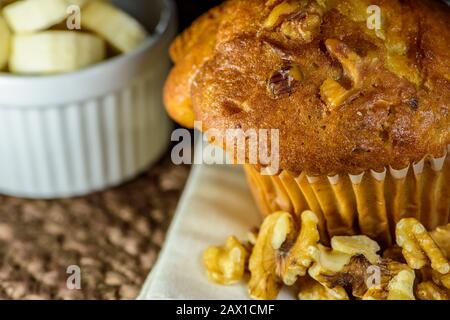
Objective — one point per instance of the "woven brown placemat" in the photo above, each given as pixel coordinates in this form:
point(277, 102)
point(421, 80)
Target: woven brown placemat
point(113, 236)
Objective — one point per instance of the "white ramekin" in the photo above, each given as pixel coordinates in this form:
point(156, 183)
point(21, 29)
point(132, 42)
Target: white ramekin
point(72, 134)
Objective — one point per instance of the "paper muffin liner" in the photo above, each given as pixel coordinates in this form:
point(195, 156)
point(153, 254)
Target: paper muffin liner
point(370, 203)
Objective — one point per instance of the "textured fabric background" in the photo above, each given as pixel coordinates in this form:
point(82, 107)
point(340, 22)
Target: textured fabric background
point(113, 236)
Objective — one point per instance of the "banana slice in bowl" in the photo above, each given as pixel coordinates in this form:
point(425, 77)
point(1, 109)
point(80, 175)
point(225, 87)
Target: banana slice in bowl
point(81, 3)
point(54, 52)
point(5, 36)
point(34, 15)
point(121, 30)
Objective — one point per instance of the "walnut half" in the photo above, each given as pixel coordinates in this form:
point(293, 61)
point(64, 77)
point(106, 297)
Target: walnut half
point(419, 248)
point(264, 283)
point(353, 264)
point(281, 253)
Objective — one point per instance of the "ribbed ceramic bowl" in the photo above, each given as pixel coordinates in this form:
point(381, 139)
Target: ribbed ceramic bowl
point(72, 134)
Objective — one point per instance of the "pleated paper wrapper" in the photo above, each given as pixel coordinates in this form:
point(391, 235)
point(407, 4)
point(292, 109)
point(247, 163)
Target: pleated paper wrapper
point(370, 203)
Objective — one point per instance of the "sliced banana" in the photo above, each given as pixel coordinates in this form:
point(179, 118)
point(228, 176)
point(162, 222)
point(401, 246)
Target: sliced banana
point(54, 52)
point(5, 39)
point(122, 31)
point(77, 2)
point(81, 3)
point(28, 16)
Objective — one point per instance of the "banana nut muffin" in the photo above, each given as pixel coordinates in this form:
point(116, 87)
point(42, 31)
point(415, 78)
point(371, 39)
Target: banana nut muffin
point(363, 112)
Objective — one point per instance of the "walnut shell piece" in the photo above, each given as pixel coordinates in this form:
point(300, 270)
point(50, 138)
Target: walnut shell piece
point(226, 265)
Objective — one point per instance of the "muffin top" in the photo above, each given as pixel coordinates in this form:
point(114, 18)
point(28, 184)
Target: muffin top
point(351, 85)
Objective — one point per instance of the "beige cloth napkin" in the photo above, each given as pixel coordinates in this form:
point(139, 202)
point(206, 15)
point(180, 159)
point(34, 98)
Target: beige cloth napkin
point(216, 203)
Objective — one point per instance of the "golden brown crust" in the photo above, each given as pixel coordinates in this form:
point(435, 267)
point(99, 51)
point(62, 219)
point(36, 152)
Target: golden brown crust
point(366, 100)
point(189, 51)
